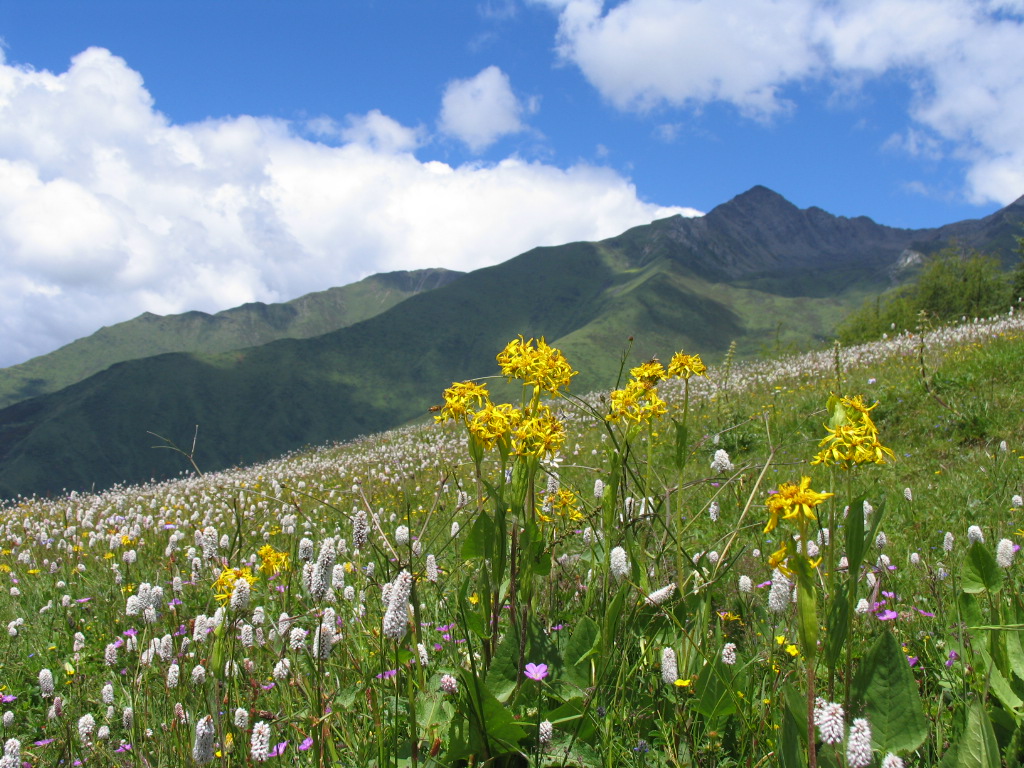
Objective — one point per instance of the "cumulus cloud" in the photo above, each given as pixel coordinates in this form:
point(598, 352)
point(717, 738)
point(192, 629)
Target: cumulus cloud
point(962, 59)
point(108, 209)
point(480, 110)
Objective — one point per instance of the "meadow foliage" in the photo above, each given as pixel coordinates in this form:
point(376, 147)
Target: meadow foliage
point(808, 560)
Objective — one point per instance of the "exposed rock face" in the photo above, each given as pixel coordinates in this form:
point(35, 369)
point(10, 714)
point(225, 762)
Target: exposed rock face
point(760, 234)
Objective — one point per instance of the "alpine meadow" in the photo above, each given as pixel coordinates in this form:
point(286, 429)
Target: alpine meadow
point(578, 549)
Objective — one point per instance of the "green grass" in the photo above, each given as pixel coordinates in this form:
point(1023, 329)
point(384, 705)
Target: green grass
point(513, 589)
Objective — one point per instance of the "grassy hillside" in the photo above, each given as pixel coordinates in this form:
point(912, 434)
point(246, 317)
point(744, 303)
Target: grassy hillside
point(254, 403)
point(756, 270)
point(245, 326)
point(392, 601)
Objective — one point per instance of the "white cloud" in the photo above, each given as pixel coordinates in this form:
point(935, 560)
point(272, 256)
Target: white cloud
point(107, 209)
point(962, 58)
point(481, 109)
point(645, 53)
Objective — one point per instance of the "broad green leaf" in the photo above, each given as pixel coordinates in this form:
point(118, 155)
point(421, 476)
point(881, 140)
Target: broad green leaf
point(855, 544)
point(806, 608)
point(838, 626)
point(970, 611)
point(479, 541)
point(679, 455)
point(522, 476)
point(584, 642)
point(503, 675)
point(980, 571)
point(887, 687)
point(1014, 650)
point(998, 684)
point(790, 747)
point(713, 695)
point(977, 747)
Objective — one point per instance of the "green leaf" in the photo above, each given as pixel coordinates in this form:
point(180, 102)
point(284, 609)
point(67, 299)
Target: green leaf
point(503, 675)
point(806, 608)
point(522, 476)
point(479, 542)
point(583, 642)
point(977, 747)
point(838, 626)
point(1014, 651)
point(855, 543)
point(969, 609)
point(501, 728)
point(980, 572)
point(890, 695)
point(713, 692)
point(790, 751)
point(679, 455)
point(998, 684)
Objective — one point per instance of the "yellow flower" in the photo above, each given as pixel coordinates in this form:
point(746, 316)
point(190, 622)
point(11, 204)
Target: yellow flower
point(792, 650)
point(683, 366)
point(562, 502)
point(273, 560)
point(682, 683)
point(539, 435)
point(474, 598)
point(793, 501)
point(493, 423)
point(536, 363)
point(636, 402)
point(225, 583)
point(852, 436)
point(458, 399)
point(650, 373)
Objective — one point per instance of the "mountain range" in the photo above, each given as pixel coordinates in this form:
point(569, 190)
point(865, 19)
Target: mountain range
point(756, 270)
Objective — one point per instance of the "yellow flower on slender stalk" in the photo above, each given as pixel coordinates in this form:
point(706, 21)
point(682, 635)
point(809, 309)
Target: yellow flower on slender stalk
point(539, 434)
point(274, 561)
point(562, 503)
point(536, 363)
point(636, 402)
point(650, 373)
point(793, 501)
point(852, 436)
point(683, 366)
point(778, 560)
point(459, 398)
point(493, 424)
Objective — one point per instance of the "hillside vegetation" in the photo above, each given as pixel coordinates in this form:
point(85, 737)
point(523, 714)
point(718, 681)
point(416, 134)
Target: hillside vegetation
point(756, 270)
point(198, 332)
point(808, 560)
point(951, 284)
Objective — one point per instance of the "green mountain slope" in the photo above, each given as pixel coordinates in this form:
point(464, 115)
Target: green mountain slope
point(245, 326)
point(678, 283)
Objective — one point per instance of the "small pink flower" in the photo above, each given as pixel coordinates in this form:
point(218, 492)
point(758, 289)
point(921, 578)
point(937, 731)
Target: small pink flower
point(536, 671)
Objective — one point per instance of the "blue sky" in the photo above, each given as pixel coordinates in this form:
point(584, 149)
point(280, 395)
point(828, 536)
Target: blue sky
point(159, 156)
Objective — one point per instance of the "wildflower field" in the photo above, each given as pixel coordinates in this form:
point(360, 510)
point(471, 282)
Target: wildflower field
point(801, 561)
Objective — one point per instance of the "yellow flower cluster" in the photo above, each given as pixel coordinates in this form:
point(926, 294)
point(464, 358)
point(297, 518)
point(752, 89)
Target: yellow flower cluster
point(539, 434)
point(225, 583)
point(533, 431)
point(459, 398)
point(683, 366)
point(274, 561)
point(793, 500)
point(494, 423)
point(852, 436)
point(563, 504)
point(638, 401)
point(536, 363)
